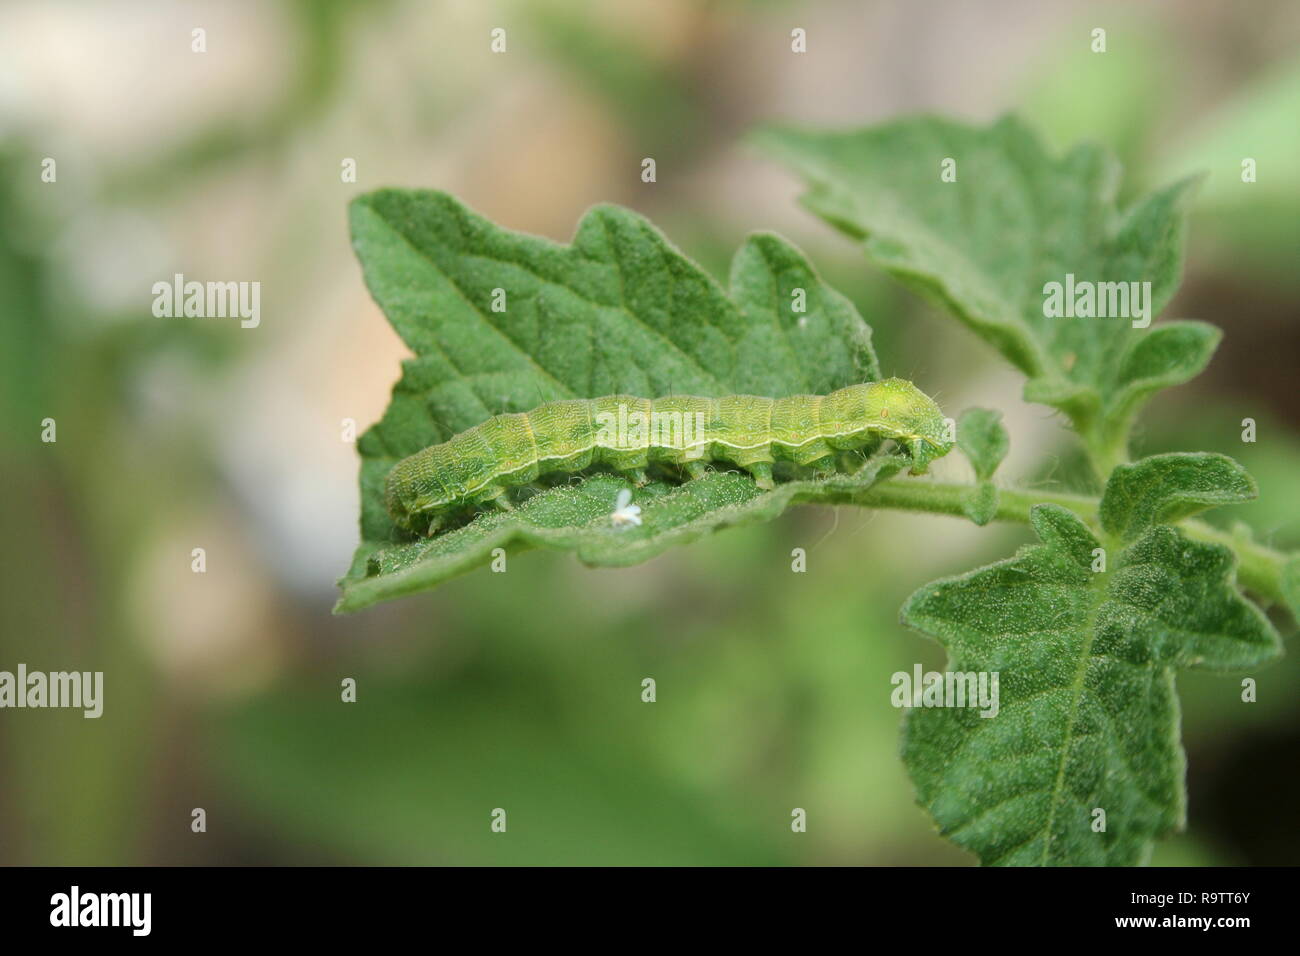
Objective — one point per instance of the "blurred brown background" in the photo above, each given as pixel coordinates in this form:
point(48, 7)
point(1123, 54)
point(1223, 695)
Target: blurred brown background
point(522, 690)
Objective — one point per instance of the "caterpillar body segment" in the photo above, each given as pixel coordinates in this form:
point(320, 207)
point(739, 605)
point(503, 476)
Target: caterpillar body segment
point(628, 434)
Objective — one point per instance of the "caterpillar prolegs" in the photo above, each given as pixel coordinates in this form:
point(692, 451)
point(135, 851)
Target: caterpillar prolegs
point(628, 434)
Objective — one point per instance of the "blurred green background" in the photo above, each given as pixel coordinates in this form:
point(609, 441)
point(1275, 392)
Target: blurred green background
point(522, 690)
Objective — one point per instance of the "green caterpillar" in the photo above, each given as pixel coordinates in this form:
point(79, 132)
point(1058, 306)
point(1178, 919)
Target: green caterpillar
point(627, 434)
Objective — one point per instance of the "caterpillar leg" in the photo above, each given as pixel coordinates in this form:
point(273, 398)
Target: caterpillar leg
point(695, 469)
point(921, 453)
point(762, 472)
point(638, 477)
point(499, 501)
point(435, 525)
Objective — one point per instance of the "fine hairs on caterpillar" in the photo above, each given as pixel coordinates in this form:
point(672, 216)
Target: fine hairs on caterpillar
point(627, 434)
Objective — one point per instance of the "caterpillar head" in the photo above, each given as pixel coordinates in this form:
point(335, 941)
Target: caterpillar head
point(922, 420)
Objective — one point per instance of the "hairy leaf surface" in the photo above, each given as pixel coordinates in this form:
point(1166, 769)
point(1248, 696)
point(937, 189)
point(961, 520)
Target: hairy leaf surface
point(1088, 722)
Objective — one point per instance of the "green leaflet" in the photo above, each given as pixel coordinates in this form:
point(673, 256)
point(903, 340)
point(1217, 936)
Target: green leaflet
point(984, 442)
point(1088, 715)
point(1168, 488)
point(987, 245)
point(617, 310)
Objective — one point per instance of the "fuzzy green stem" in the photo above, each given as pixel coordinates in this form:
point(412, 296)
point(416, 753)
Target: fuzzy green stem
point(1259, 568)
point(948, 498)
